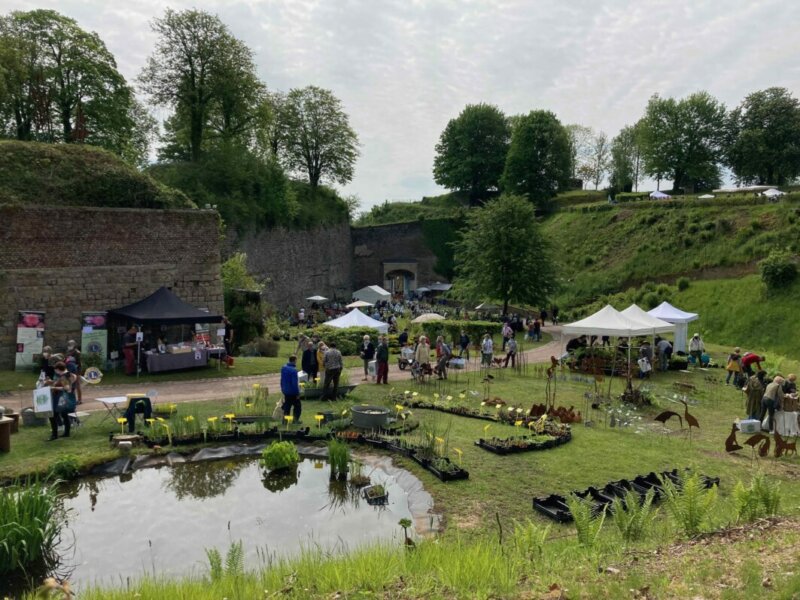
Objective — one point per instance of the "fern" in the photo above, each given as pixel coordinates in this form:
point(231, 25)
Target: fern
point(234, 561)
point(761, 498)
point(214, 564)
point(529, 538)
point(587, 525)
point(633, 517)
point(690, 503)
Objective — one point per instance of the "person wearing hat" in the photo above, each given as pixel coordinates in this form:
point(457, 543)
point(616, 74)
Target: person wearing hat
point(696, 349)
point(734, 366)
point(290, 388)
point(367, 354)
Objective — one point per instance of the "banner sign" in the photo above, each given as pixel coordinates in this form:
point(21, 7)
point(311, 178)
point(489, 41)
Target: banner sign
point(94, 334)
point(30, 338)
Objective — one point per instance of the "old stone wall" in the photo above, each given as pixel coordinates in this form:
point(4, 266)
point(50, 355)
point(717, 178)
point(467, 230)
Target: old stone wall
point(299, 264)
point(401, 242)
point(65, 261)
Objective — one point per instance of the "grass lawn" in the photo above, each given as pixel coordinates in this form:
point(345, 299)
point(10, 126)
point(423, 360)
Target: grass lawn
point(469, 561)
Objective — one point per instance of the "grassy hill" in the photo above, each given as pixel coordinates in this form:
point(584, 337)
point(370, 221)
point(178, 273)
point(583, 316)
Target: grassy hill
point(78, 175)
point(453, 205)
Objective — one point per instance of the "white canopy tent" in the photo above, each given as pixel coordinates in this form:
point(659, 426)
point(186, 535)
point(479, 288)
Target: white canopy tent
point(359, 304)
point(607, 321)
point(666, 312)
point(657, 195)
point(635, 313)
point(355, 318)
point(771, 193)
point(372, 293)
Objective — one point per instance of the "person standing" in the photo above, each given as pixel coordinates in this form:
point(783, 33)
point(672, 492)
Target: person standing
point(290, 388)
point(333, 364)
point(512, 352)
point(73, 362)
point(44, 363)
point(487, 349)
point(367, 353)
point(537, 330)
point(445, 354)
point(772, 401)
point(734, 366)
point(322, 349)
point(309, 361)
point(554, 314)
point(402, 339)
point(63, 398)
point(422, 355)
point(463, 344)
point(382, 360)
point(227, 338)
point(542, 316)
point(754, 391)
point(664, 353)
point(507, 332)
point(696, 349)
point(129, 346)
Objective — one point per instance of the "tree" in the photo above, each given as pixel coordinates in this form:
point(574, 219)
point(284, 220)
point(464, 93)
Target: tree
point(60, 83)
point(763, 134)
point(538, 161)
point(597, 164)
point(471, 152)
point(580, 146)
point(626, 159)
point(317, 138)
point(502, 255)
point(204, 74)
point(682, 139)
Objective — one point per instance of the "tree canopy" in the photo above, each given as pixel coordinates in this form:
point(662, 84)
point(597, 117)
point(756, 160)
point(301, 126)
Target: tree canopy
point(764, 138)
point(316, 137)
point(538, 164)
point(471, 152)
point(682, 140)
point(626, 160)
point(502, 255)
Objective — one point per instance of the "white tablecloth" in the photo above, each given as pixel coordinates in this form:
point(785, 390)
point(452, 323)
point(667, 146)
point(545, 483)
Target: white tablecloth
point(786, 423)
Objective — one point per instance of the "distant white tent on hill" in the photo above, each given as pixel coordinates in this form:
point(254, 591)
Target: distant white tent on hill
point(356, 318)
point(372, 294)
point(657, 195)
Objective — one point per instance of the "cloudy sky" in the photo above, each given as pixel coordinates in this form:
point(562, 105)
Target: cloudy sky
point(403, 68)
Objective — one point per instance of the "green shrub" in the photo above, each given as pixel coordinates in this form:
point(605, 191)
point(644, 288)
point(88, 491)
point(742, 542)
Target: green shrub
point(347, 340)
point(632, 517)
point(31, 518)
point(778, 270)
point(279, 455)
point(452, 329)
point(529, 539)
point(683, 283)
point(587, 525)
point(65, 467)
point(690, 503)
point(762, 498)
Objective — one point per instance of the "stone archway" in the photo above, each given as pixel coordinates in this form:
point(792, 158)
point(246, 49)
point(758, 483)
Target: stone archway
point(400, 277)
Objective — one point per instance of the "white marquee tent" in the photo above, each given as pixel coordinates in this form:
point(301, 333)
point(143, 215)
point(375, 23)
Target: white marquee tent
point(607, 321)
point(635, 313)
point(666, 312)
point(771, 193)
point(355, 318)
point(372, 294)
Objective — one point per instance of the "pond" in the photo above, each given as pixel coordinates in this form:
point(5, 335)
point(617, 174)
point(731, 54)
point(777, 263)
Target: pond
point(162, 519)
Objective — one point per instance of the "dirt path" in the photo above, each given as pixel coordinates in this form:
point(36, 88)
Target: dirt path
point(229, 387)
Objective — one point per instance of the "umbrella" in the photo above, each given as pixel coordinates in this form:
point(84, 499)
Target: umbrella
point(317, 298)
point(359, 304)
point(428, 317)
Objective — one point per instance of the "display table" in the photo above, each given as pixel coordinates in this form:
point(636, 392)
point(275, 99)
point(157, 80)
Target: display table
point(156, 363)
point(786, 423)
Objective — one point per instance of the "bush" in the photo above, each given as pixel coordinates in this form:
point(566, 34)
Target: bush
point(65, 467)
point(451, 329)
point(683, 283)
point(778, 270)
point(347, 340)
point(260, 347)
point(279, 455)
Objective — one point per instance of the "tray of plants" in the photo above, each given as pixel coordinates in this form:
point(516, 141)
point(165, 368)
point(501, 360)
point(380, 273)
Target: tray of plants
point(445, 469)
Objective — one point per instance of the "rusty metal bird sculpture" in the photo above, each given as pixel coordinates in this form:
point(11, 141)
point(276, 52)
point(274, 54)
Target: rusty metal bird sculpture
point(690, 420)
point(755, 440)
point(667, 415)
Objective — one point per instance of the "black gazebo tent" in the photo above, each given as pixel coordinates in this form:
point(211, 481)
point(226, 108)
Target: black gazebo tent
point(164, 307)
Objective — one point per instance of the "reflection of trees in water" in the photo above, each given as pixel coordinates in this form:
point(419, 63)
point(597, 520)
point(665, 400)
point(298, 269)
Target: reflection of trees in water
point(282, 479)
point(201, 480)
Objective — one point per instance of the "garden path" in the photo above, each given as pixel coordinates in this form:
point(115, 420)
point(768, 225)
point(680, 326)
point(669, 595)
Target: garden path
point(229, 387)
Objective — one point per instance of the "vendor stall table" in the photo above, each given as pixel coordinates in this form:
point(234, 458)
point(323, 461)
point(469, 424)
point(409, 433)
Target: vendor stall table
point(786, 423)
point(157, 363)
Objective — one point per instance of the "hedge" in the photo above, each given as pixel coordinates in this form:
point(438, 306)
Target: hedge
point(347, 340)
point(452, 330)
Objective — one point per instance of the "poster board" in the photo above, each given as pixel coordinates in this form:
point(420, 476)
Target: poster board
point(30, 338)
point(94, 334)
point(43, 402)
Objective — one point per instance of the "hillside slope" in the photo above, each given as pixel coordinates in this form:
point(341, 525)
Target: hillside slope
point(78, 175)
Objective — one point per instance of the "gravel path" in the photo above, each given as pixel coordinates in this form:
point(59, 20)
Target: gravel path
point(229, 387)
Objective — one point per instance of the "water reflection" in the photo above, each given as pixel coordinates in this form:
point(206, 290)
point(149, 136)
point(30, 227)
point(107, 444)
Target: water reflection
point(203, 480)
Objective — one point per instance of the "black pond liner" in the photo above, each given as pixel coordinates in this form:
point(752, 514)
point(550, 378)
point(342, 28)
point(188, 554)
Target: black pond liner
point(555, 506)
point(533, 446)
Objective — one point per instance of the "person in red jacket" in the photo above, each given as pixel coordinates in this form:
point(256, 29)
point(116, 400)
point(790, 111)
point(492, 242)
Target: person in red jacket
point(749, 359)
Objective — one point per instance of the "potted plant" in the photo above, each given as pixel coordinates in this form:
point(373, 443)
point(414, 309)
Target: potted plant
point(376, 495)
point(280, 456)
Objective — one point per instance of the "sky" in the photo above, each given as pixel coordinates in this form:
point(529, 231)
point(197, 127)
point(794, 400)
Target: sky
point(404, 68)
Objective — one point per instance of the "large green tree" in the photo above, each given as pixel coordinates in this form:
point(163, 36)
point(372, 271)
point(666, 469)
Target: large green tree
point(682, 140)
point(503, 256)
point(538, 164)
point(471, 152)
point(59, 82)
point(626, 160)
point(580, 147)
point(764, 138)
point(205, 75)
point(317, 139)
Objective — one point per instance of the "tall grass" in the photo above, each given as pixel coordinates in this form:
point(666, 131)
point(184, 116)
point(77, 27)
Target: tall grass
point(338, 457)
point(30, 527)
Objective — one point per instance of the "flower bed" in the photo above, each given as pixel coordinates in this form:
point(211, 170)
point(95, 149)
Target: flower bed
point(516, 444)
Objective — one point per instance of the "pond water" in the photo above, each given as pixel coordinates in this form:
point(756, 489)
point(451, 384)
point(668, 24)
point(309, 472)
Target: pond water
point(162, 519)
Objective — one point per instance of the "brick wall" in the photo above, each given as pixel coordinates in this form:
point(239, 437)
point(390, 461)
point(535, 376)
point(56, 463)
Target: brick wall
point(65, 261)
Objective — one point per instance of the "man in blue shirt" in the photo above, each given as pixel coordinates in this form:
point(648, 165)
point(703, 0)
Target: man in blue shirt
point(290, 389)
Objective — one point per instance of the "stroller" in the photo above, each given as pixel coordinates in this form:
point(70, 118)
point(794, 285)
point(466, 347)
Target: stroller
point(420, 372)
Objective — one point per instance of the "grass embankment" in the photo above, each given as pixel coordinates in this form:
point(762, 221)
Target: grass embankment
point(469, 561)
point(78, 175)
point(605, 252)
point(446, 206)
